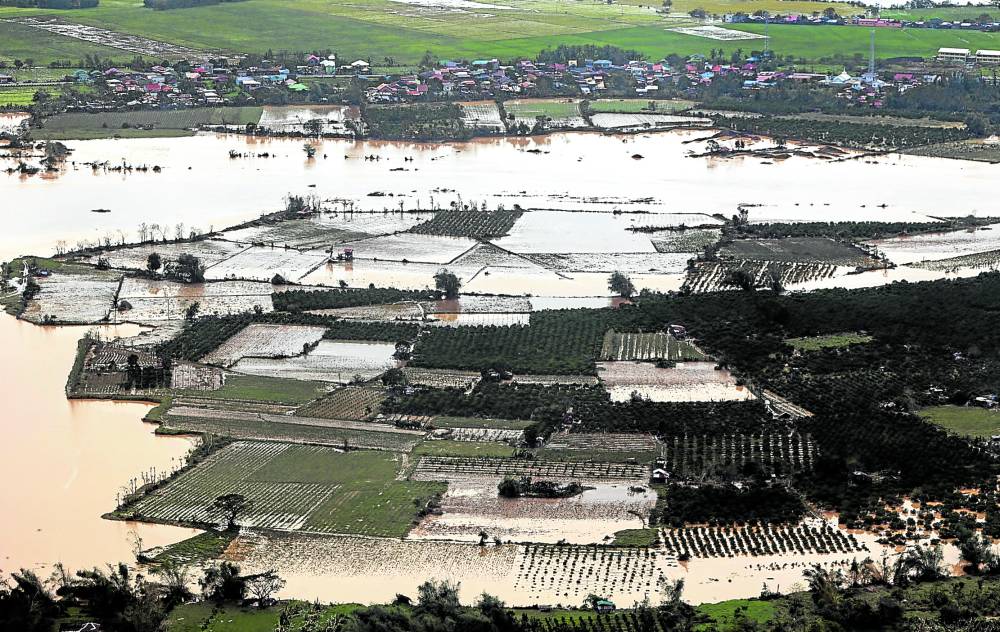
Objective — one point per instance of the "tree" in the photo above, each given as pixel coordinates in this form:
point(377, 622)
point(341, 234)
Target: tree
point(394, 377)
point(188, 269)
point(310, 150)
point(192, 311)
point(740, 279)
point(153, 262)
point(231, 506)
point(621, 284)
point(438, 599)
point(447, 283)
point(223, 583)
point(263, 586)
point(824, 585)
point(509, 488)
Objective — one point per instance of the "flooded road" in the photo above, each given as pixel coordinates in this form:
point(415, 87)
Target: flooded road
point(571, 171)
point(63, 461)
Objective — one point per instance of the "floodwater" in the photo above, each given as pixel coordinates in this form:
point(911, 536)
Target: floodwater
point(63, 461)
point(10, 121)
point(570, 171)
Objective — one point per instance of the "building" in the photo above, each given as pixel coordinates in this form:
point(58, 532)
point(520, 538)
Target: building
point(603, 606)
point(988, 57)
point(960, 55)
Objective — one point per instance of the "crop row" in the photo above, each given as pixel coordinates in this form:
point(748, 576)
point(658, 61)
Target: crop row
point(475, 224)
point(574, 571)
point(436, 468)
point(712, 276)
point(610, 441)
point(356, 403)
point(776, 452)
point(798, 539)
point(647, 346)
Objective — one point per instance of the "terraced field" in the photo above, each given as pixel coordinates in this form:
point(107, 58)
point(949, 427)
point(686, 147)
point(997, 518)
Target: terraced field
point(294, 488)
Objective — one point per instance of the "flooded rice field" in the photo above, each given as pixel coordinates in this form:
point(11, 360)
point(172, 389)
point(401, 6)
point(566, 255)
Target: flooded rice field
point(70, 458)
point(572, 171)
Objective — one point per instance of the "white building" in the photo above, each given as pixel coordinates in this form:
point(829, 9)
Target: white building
point(953, 54)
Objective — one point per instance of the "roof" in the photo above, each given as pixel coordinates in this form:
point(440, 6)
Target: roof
point(953, 51)
point(988, 53)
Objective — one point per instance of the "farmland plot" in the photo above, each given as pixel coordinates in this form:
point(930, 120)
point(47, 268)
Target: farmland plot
point(989, 260)
point(550, 380)
point(573, 572)
point(472, 505)
point(692, 456)
point(486, 254)
point(562, 114)
point(797, 250)
point(485, 434)
point(935, 246)
point(361, 273)
point(383, 312)
point(161, 300)
point(260, 340)
point(441, 378)
point(588, 441)
point(208, 251)
point(472, 304)
point(434, 468)
point(294, 118)
point(686, 382)
point(329, 362)
point(483, 115)
point(659, 262)
point(409, 247)
point(808, 537)
point(693, 240)
point(82, 298)
point(295, 233)
point(710, 276)
point(645, 120)
point(355, 403)
point(479, 320)
point(240, 424)
point(294, 487)
point(648, 346)
point(262, 263)
point(475, 224)
point(638, 106)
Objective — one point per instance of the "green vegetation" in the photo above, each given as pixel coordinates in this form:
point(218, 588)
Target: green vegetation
point(814, 343)
point(968, 421)
point(304, 300)
point(264, 389)
point(636, 537)
point(634, 106)
point(23, 42)
point(463, 448)
point(549, 108)
point(445, 421)
point(475, 224)
point(437, 121)
point(142, 123)
point(859, 230)
point(726, 614)
point(196, 549)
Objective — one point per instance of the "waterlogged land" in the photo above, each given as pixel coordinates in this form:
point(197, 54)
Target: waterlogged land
point(372, 420)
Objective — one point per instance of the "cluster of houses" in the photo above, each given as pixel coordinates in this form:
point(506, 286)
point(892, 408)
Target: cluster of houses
point(831, 19)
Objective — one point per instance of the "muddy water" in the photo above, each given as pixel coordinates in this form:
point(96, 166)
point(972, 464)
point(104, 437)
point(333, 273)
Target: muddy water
point(63, 461)
point(573, 171)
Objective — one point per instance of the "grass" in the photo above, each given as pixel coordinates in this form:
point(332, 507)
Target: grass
point(965, 420)
point(264, 389)
point(463, 448)
point(726, 614)
point(553, 109)
point(636, 537)
point(20, 96)
point(197, 617)
point(200, 548)
point(815, 343)
point(26, 43)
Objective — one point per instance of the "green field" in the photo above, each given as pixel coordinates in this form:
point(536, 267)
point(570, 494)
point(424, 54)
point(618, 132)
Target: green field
point(726, 613)
point(965, 420)
point(264, 389)
point(19, 96)
point(636, 537)
point(815, 343)
point(294, 488)
point(41, 48)
point(463, 448)
point(531, 108)
point(81, 126)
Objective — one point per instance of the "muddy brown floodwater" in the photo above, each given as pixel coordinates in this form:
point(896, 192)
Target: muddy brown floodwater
point(63, 461)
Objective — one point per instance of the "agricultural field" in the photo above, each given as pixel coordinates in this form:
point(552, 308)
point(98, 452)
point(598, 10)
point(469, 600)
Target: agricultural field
point(631, 443)
point(811, 537)
point(242, 388)
point(688, 241)
point(330, 361)
point(712, 276)
point(484, 435)
point(989, 260)
point(638, 106)
point(483, 115)
point(564, 113)
point(353, 403)
point(294, 488)
point(445, 421)
point(390, 312)
point(471, 304)
point(628, 121)
point(479, 320)
point(294, 118)
point(259, 263)
point(441, 468)
point(695, 456)
point(409, 247)
point(22, 96)
point(685, 382)
point(930, 247)
point(259, 340)
point(829, 341)
point(967, 421)
point(295, 233)
point(648, 346)
point(208, 251)
point(474, 224)
point(796, 250)
point(73, 296)
point(156, 301)
point(451, 447)
point(441, 378)
point(80, 125)
point(628, 263)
